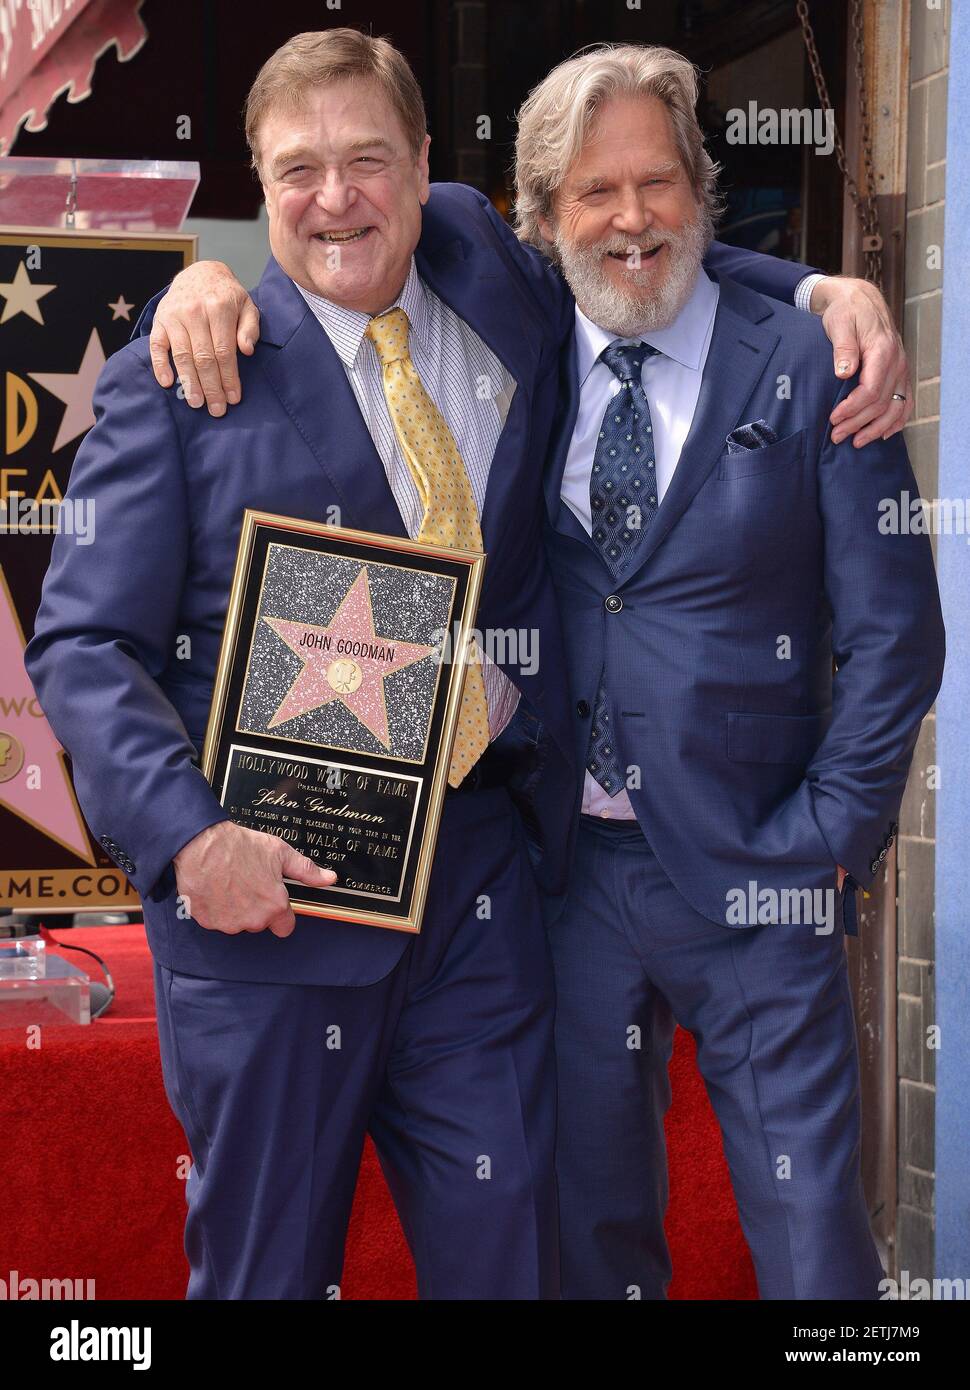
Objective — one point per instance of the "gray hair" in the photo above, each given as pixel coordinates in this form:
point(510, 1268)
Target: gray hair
point(557, 116)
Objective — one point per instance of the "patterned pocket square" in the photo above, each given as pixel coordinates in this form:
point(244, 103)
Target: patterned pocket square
point(753, 436)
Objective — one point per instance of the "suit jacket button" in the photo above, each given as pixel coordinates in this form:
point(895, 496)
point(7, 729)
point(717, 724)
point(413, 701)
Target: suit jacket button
point(614, 603)
point(582, 709)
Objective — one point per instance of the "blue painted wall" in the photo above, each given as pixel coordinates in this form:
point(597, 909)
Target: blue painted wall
point(953, 705)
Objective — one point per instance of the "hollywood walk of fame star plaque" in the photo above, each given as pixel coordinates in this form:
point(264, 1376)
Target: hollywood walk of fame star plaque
point(335, 705)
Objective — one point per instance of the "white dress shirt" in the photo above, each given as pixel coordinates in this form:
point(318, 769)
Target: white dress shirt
point(468, 384)
point(671, 382)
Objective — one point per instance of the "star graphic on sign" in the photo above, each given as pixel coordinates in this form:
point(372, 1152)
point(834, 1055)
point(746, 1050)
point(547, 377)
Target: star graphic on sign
point(21, 296)
point(344, 661)
point(27, 739)
point(121, 309)
point(75, 389)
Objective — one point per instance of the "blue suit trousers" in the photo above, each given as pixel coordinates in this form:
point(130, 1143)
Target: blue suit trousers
point(771, 1013)
point(447, 1061)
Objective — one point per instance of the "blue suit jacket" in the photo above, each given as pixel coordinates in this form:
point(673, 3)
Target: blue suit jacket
point(754, 763)
point(170, 485)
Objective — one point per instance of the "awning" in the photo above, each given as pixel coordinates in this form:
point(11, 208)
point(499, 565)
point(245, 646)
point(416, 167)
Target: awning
point(51, 46)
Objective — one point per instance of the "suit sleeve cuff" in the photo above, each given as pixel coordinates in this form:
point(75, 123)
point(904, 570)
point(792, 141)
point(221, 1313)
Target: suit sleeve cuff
point(200, 809)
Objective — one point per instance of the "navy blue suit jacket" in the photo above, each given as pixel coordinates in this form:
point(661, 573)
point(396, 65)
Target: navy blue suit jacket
point(753, 763)
point(170, 485)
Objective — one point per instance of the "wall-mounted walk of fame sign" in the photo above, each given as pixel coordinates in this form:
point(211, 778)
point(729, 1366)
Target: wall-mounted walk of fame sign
point(68, 300)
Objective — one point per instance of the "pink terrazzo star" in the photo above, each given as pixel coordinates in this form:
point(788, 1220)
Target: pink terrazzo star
point(345, 661)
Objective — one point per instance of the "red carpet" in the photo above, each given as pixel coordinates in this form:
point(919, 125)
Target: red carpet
point(92, 1155)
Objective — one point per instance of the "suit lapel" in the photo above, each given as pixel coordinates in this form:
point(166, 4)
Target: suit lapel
point(475, 285)
point(467, 279)
point(739, 352)
point(312, 386)
point(562, 431)
point(562, 517)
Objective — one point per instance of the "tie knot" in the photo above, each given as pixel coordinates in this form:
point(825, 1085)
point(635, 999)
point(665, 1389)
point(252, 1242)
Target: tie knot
point(625, 359)
point(389, 334)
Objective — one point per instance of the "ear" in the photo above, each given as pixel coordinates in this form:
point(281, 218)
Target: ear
point(546, 228)
point(424, 171)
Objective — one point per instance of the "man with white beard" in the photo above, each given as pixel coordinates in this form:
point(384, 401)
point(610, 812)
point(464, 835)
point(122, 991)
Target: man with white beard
point(713, 548)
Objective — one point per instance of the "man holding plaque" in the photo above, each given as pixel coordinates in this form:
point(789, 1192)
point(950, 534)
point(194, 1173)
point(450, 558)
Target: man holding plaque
point(384, 308)
point(285, 1039)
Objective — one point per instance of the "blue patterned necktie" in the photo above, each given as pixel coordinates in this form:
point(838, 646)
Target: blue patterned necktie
point(623, 501)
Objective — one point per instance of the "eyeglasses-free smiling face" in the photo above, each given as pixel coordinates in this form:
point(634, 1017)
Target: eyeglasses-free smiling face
point(626, 220)
point(344, 194)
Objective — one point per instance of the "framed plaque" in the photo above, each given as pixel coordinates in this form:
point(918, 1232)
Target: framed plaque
point(336, 702)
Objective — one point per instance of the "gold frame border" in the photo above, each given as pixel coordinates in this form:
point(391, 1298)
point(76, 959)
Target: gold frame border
point(475, 561)
point(186, 242)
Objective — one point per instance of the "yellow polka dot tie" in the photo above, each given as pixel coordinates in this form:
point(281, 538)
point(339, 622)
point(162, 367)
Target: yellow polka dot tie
point(450, 513)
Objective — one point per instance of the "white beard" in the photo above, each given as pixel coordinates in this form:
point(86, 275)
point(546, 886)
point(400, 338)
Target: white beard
point(627, 313)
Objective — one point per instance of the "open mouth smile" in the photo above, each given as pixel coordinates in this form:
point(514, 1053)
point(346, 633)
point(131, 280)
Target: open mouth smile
point(625, 255)
point(341, 237)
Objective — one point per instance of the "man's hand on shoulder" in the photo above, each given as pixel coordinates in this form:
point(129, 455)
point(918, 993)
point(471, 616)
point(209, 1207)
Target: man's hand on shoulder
point(231, 879)
point(858, 323)
point(205, 316)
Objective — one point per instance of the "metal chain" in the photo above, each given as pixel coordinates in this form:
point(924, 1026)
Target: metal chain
point(864, 204)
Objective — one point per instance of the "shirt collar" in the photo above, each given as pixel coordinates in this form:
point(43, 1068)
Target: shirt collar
point(346, 327)
point(683, 340)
